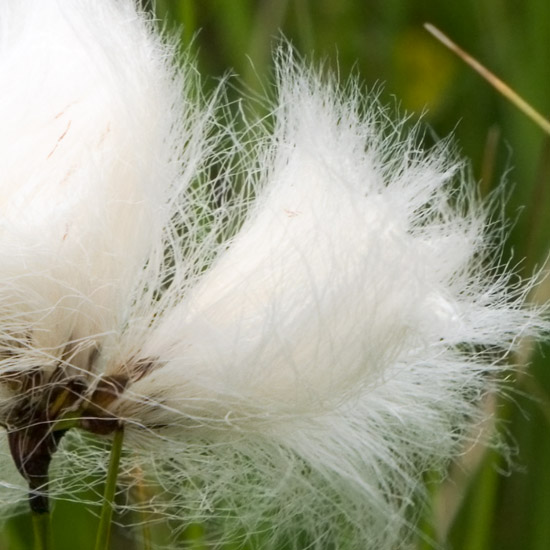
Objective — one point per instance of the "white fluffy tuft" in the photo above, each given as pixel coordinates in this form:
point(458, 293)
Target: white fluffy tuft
point(95, 126)
point(303, 337)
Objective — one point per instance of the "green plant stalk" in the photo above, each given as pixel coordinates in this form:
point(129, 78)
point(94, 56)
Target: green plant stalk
point(481, 512)
point(41, 530)
point(186, 13)
point(145, 530)
point(104, 529)
point(426, 524)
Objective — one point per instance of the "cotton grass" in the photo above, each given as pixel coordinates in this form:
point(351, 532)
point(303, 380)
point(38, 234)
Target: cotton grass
point(294, 324)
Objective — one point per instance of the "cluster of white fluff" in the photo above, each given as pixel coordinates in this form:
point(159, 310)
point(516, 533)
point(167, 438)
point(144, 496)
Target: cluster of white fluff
point(305, 317)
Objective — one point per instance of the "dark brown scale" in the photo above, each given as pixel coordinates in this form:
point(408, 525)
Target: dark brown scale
point(32, 449)
point(142, 368)
point(31, 440)
point(22, 381)
point(95, 417)
point(41, 401)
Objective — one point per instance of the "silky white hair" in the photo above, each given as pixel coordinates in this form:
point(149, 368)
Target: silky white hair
point(306, 315)
point(99, 138)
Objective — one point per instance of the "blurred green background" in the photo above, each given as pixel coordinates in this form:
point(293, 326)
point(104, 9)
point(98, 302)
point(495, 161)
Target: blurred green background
point(490, 502)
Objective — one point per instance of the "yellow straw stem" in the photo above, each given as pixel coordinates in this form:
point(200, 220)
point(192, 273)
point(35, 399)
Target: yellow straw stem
point(496, 82)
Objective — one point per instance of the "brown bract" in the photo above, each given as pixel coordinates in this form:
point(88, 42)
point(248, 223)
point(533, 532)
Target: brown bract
point(42, 411)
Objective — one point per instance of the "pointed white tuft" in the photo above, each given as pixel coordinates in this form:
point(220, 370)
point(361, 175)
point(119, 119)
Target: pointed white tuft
point(299, 338)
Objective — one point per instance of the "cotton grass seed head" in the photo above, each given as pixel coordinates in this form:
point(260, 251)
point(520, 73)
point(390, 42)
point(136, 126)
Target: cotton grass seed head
point(99, 138)
point(293, 329)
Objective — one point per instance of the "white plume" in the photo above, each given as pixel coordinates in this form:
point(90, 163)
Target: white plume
point(300, 339)
point(95, 124)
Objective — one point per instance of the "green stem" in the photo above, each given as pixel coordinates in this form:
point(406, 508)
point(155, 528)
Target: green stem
point(41, 529)
point(146, 532)
point(104, 529)
point(145, 520)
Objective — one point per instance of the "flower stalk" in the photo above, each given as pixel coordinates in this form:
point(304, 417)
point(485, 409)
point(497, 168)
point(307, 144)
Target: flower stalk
point(105, 520)
point(41, 530)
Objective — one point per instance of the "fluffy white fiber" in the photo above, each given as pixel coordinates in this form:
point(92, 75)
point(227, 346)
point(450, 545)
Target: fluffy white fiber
point(95, 125)
point(299, 340)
